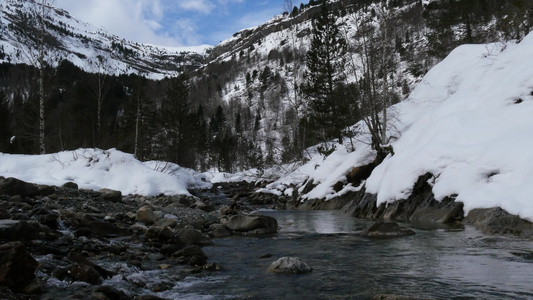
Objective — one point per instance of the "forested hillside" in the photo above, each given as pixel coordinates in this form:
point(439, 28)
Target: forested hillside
point(259, 98)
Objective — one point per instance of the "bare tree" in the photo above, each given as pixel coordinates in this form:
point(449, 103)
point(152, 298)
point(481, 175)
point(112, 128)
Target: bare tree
point(288, 6)
point(100, 66)
point(373, 65)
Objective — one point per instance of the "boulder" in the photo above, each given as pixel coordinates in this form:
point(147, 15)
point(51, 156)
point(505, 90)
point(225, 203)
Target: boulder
point(17, 266)
point(499, 221)
point(12, 186)
point(70, 185)
point(111, 195)
point(251, 223)
point(194, 237)
point(386, 230)
point(193, 255)
point(289, 265)
point(145, 215)
point(19, 230)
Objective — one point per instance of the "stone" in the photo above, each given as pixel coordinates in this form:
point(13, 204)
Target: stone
point(145, 215)
point(247, 223)
point(162, 234)
point(194, 237)
point(289, 265)
point(194, 255)
point(12, 186)
point(499, 221)
point(17, 266)
point(386, 230)
point(111, 195)
point(219, 231)
point(84, 273)
point(45, 190)
point(107, 229)
point(82, 260)
point(19, 230)
point(70, 185)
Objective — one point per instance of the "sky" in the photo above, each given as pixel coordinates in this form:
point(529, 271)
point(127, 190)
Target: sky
point(175, 23)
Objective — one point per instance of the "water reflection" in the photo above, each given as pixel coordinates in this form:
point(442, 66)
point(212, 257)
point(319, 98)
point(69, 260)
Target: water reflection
point(432, 264)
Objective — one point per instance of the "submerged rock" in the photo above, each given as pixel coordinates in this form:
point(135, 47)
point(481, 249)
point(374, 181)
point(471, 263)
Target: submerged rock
point(253, 224)
point(289, 265)
point(386, 230)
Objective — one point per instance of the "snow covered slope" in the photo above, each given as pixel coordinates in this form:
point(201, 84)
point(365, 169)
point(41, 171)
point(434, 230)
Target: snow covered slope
point(96, 169)
point(468, 122)
point(81, 43)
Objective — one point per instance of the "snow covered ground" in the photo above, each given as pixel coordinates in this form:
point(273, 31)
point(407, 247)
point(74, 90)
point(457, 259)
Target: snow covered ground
point(96, 169)
point(468, 122)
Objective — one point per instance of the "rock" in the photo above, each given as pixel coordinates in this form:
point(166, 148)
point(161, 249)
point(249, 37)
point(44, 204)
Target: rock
point(80, 259)
point(289, 265)
point(193, 254)
point(17, 266)
point(111, 195)
point(45, 190)
point(107, 229)
point(386, 230)
point(33, 288)
point(219, 231)
point(12, 186)
point(145, 215)
point(70, 185)
point(258, 224)
point(162, 234)
point(498, 221)
point(17, 230)
point(194, 237)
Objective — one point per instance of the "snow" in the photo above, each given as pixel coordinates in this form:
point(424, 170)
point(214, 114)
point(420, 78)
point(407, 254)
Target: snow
point(468, 122)
point(96, 169)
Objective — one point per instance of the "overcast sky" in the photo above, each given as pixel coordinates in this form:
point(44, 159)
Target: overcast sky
point(174, 22)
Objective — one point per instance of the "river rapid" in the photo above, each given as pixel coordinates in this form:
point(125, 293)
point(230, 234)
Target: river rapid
point(434, 264)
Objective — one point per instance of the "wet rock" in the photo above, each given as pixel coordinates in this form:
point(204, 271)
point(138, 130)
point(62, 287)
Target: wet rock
point(107, 229)
point(150, 297)
point(17, 266)
point(70, 185)
point(193, 237)
point(289, 265)
point(12, 186)
point(254, 224)
point(219, 231)
point(386, 230)
point(19, 230)
point(80, 259)
point(499, 221)
point(33, 288)
point(145, 215)
point(111, 195)
point(162, 234)
point(193, 254)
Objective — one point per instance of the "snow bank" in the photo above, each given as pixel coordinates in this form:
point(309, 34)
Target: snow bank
point(96, 169)
point(468, 122)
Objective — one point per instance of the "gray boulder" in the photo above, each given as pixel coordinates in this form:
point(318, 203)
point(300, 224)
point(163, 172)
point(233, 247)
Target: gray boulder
point(289, 265)
point(253, 224)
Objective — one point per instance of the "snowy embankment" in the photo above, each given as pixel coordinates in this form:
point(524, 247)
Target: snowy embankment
point(96, 169)
point(468, 122)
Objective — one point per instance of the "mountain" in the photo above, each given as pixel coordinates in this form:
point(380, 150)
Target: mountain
point(68, 38)
point(240, 105)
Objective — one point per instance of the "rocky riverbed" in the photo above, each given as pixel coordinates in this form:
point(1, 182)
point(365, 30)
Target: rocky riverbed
point(68, 243)
point(51, 238)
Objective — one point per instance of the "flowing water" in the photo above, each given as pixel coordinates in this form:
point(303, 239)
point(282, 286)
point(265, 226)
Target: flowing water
point(434, 264)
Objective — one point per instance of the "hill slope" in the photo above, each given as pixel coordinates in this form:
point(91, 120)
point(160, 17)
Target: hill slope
point(467, 122)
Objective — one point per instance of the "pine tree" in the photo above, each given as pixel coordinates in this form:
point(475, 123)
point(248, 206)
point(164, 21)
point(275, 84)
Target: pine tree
point(325, 62)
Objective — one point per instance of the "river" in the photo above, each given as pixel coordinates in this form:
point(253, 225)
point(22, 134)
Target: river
point(435, 264)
